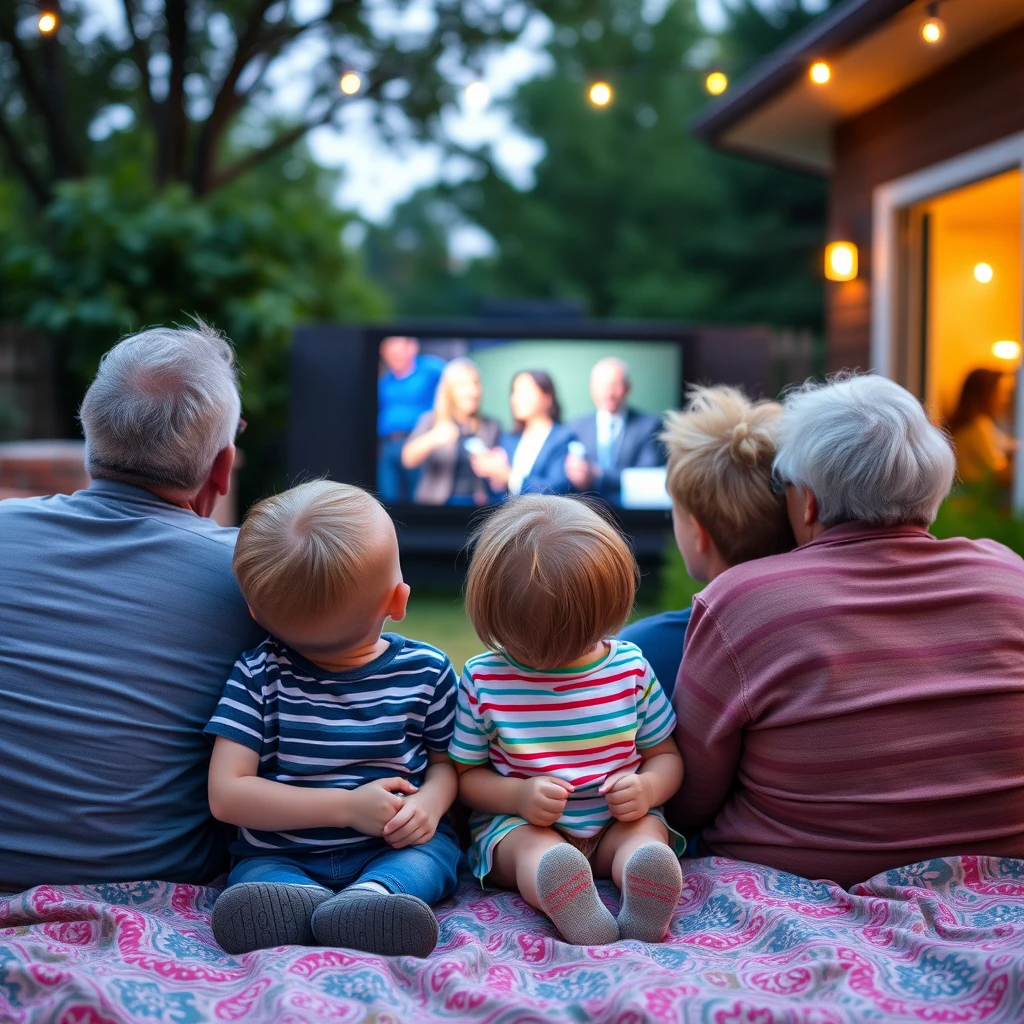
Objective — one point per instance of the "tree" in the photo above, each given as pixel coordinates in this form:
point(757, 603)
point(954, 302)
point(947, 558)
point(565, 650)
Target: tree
point(629, 213)
point(190, 78)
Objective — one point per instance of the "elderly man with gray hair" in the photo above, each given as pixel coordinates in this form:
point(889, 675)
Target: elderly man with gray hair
point(120, 622)
point(856, 705)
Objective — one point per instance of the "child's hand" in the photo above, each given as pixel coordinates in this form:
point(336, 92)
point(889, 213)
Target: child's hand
point(371, 806)
point(542, 800)
point(414, 824)
point(627, 794)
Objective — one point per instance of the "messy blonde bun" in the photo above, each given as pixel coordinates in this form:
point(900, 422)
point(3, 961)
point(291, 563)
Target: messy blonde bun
point(720, 452)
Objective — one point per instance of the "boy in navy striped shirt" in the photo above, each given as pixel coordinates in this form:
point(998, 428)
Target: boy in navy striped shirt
point(331, 739)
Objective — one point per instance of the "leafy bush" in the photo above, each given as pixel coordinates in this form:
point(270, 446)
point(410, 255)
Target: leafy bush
point(110, 256)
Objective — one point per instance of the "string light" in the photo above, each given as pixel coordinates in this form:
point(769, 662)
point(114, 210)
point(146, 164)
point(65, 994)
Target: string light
point(47, 23)
point(820, 72)
point(716, 83)
point(600, 94)
point(933, 28)
point(1009, 350)
point(983, 273)
point(477, 95)
point(350, 83)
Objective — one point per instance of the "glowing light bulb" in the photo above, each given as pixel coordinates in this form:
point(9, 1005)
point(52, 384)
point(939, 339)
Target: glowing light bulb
point(840, 261)
point(933, 30)
point(350, 83)
point(600, 94)
point(716, 83)
point(820, 72)
point(47, 23)
point(477, 95)
point(983, 273)
point(1009, 350)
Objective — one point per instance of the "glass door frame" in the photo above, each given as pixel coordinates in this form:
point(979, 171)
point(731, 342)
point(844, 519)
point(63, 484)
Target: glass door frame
point(890, 224)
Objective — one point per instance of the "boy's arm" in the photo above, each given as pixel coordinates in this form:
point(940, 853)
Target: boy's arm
point(238, 796)
point(417, 819)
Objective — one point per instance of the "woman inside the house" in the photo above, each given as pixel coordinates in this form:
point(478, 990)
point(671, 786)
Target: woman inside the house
point(855, 705)
point(983, 449)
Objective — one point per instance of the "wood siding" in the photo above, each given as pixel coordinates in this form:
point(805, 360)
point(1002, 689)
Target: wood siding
point(972, 102)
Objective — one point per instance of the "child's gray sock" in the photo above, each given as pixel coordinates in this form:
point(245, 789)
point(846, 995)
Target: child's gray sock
point(651, 884)
point(569, 897)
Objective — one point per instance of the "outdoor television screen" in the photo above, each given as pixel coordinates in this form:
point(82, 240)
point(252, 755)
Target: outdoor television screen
point(468, 421)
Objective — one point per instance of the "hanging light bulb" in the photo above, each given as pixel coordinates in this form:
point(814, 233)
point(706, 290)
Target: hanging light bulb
point(600, 94)
point(933, 28)
point(350, 83)
point(47, 23)
point(820, 72)
point(716, 83)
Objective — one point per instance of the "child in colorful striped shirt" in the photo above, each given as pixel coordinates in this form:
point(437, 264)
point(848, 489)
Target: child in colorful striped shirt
point(563, 737)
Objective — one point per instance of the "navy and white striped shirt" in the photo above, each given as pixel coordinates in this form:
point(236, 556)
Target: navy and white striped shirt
point(337, 730)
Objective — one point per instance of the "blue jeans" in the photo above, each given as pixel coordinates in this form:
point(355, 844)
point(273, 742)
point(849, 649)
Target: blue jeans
point(429, 871)
point(395, 483)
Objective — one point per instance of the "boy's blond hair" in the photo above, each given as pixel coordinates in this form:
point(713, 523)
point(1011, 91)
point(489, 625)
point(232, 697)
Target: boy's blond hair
point(549, 579)
point(312, 551)
point(720, 452)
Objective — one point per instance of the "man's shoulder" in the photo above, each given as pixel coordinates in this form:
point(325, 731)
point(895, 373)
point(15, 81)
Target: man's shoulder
point(640, 420)
point(588, 419)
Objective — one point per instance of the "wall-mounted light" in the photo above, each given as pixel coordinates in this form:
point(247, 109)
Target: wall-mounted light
point(1008, 350)
point(983, 273)
point(47, 23)
point(716, 83)
point(820, 72)
point(600, 94)
point(933, 28)
point(840, 261)
point(350, 83)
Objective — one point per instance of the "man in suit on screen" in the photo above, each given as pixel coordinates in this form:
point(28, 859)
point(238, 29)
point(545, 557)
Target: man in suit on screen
point(614, 437)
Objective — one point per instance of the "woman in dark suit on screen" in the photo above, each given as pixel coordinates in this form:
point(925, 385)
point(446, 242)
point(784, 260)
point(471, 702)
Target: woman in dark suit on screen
point(530, 460)
point(443, 439)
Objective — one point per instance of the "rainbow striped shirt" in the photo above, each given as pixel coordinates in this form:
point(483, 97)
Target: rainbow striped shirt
point(579, 724)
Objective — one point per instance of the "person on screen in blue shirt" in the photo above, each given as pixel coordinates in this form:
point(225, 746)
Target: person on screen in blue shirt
point(331, 739)
point(405, 391)
point(614, 437)
point(725, 508)
point(531, 459)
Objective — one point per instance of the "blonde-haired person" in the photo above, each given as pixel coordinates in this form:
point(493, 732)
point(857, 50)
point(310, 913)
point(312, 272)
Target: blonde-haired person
point(724, 510)
point(441, 446)
point(331, 739)
point(563, 737)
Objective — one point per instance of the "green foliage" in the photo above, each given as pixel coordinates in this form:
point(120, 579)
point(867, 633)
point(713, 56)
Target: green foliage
point(111, 255)
point(980, 512)
point(629, 214)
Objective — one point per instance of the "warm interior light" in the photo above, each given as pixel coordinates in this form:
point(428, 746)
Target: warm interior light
point(351, 83)
point(841, 261)
point(932, 30)
point(47, 22)
point(716, 83)
point(600, 94)
point(477, 95)
point(983, 273)
point(1009, 350)
point(820, 72)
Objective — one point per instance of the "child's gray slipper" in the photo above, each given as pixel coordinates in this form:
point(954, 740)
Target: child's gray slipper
point(258, 915)
point(389, 924)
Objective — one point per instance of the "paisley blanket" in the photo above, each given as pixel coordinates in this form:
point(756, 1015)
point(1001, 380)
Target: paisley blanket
point(941, 941)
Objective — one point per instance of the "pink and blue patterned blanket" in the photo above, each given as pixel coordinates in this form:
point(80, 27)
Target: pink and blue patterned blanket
point(941, 941)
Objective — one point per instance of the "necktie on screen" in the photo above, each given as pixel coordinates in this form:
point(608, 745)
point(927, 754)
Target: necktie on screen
point(606, 446)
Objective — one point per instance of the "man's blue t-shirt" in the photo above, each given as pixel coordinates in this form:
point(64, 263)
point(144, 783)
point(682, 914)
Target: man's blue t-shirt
point(335, 730)
point(661, 638)
point(119, 621)
point(401, 401)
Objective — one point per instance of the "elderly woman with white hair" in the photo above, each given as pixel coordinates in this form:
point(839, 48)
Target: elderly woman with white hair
point(856, 704)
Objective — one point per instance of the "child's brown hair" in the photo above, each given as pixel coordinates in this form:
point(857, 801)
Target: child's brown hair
point(720, 453)
point(549, 579)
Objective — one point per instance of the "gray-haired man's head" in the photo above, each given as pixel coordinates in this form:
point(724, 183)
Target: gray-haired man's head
point(163, 404)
